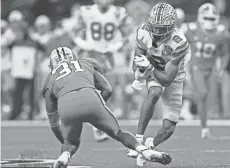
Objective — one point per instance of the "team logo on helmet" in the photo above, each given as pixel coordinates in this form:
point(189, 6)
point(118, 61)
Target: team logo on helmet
point(162, 14)
point(59, 55)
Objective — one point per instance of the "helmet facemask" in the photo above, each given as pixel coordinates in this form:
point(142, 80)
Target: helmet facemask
point(159, 32)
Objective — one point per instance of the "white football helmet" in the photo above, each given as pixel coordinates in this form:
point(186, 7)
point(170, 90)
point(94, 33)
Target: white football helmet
point(59, 55)
point(208, 16)
point(161, 21)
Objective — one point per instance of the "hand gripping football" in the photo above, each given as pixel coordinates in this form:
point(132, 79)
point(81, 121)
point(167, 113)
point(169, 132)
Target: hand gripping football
point(157, 62)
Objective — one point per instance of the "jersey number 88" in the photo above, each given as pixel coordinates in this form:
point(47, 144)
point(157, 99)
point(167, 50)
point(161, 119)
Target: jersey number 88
point(99, 32)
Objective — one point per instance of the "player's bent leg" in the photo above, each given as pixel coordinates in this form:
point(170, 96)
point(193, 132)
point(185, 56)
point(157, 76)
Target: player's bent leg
point(171, 105)
point(71, 134)
point(106, 121)
point(147, 108)
point(71, 125)
point(162, 135)
point(201, 80)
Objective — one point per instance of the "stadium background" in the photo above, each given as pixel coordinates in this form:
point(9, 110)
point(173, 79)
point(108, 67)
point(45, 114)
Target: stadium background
point(128, 107)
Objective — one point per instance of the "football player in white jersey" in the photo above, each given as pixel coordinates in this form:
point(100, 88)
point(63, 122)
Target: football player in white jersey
point(103, 24)
point(159, 64)
point(105, 27)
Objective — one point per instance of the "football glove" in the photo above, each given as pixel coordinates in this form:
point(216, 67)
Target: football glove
point(141, 61)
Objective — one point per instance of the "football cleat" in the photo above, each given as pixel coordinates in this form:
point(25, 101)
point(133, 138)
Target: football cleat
point(62, 161)
point(153, 156)
point(132, 153)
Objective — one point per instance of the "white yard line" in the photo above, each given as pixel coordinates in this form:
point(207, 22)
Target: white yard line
point(45, 161)
point(122, 123)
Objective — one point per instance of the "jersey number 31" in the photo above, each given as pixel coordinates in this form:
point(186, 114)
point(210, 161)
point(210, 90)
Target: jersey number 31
point(66, 69)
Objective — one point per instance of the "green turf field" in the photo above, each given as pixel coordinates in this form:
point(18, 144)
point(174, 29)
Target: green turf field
point(35, 140)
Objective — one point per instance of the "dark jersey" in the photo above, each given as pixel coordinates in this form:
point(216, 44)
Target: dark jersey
point(206, 48)
point(70, 76)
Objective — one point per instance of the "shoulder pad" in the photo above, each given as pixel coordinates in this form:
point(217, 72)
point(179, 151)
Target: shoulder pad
point(177, 38)
point(180, 45)
point(143, 38)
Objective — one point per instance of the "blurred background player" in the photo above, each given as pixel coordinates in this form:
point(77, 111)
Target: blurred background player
point(105, 31)
point(159, 40)
point(208, 42)
point(6, 82)
point(42, 33)
point(70, 92)
point(23, 51)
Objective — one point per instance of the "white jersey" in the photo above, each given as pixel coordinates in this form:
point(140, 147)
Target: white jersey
point(175, 47)
point(102, 28)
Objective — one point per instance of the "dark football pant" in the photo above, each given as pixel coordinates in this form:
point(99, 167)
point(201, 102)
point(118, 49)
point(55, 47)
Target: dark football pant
point(85, 105)
point(20, 86)
point(201, 81)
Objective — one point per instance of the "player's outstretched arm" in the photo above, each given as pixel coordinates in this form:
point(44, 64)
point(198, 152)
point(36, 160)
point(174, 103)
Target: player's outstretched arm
point(103, 85)
point(51, 108)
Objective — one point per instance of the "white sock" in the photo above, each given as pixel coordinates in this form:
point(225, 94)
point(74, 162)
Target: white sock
point(140, 137)
point(140, 148)
point(149, 143)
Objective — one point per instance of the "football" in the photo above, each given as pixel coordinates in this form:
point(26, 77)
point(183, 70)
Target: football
point(158, 62)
